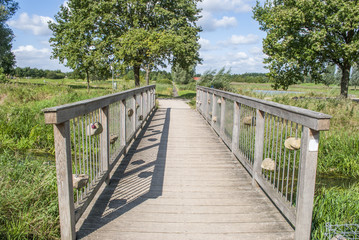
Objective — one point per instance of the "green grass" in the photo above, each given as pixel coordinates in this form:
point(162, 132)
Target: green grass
point(28, 192)
point(164, 90)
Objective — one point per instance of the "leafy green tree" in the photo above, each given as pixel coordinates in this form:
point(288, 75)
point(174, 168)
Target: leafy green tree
point(153, 33)
point(183, 76)
point(7, 58)
point(218, 80)
point(130, 33)
point(304, 36)
point(76, 40)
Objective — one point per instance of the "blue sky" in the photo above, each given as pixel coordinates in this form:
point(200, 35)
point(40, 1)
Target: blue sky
point(230, 37)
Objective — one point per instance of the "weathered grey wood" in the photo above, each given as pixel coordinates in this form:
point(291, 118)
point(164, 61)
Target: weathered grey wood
point(236, 126)
point(182, 181)
point(105, 140)
point(308, 118)
point(64, 180)
point(306, 182)
point(66, 112)
point(123, 113)
point(214, 110)
point(283, 205)
point(258, 147)
point(134, 115)
point(223, 115)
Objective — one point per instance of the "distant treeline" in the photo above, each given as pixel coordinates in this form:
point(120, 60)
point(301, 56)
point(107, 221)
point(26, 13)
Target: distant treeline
point(158, 75)
point(249, 77)
point(28, 72)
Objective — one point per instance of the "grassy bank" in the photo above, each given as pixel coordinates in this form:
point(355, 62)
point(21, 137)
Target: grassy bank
point(28, 191)
point(336, 196)
point(28, 195)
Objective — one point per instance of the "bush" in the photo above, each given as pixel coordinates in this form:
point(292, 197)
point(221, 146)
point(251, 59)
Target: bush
point(2, 76)
point(164, 81)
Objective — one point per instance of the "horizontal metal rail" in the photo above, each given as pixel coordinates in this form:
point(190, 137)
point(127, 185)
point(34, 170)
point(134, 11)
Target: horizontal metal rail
point(276, 143)
point(90, 137)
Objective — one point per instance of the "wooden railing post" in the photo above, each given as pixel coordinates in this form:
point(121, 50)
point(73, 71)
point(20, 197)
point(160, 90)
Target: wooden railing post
point(149, 101)
point(236, 126)
point(258, 147)
point(154, 97)
point(214, 109)
point(64, 180)
point(306, 183)
point(141, 106)
point(123, 124)
point(104, 141)
point(223, 114)
point(134, 115)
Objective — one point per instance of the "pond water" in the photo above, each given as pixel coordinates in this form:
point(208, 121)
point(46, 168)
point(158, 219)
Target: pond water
point(274, 92)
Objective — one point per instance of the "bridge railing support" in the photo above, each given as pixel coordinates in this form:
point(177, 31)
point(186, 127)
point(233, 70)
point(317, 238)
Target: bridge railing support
point(276, 143)
point(90, 137)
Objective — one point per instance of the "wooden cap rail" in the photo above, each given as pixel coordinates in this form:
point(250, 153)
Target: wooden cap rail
point(255, 130)
point(314, 120)
point(63, 113)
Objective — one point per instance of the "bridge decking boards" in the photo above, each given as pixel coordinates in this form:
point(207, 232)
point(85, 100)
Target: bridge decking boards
point(179, 181)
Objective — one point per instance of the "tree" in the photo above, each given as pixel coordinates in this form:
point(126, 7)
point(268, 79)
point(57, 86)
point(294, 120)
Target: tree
point(76, 40)
point(7, 58)
point(154, 33)
point(137, 34)
point(219, 80)
point(304, 36)
point(183, 76)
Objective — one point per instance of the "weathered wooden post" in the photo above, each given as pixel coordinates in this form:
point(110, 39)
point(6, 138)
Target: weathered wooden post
point(123, 124)
point(64, 180)
point(214, 110)
point(258, 147)
point(134, 115)
point(223, 115)
point(104, 140)
point(306, 183)
point(236, 127)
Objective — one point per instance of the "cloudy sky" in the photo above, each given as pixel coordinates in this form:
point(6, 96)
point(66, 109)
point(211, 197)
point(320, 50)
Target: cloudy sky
point(230, 37)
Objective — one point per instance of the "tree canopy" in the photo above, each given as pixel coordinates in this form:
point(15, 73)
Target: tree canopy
point(127, 33)
point(303, 37)
point(7, 58)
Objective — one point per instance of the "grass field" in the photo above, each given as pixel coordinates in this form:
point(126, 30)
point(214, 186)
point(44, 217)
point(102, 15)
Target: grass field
point(28, 195)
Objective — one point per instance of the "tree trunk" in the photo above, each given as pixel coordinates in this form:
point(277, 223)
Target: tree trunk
point(136, 71)
point(344, 84)
point(148, 75)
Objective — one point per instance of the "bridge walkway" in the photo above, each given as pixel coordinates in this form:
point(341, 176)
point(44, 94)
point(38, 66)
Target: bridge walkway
point(180, 181)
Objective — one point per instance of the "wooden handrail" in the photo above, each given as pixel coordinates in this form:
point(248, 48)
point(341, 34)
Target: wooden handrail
point(79, 146)
point(314, 120)
point(262, 133)
point(63, 113)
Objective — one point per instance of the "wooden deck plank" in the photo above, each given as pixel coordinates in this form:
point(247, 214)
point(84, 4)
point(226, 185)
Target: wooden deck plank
point(179, 181)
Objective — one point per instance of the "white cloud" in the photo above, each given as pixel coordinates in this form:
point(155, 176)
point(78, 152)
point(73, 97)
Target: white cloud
point(66, 3)
point(256, 50)
point(209, 23)
point(205, 44)
point(240, 39)
point(226, 5)
point(29, 56)
point(38, 25)
point(240, 55)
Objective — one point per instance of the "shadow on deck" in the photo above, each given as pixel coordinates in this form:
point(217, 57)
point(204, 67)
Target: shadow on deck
point(179, 181)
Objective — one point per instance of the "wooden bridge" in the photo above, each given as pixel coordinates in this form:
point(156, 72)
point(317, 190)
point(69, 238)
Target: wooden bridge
point(127, 170)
